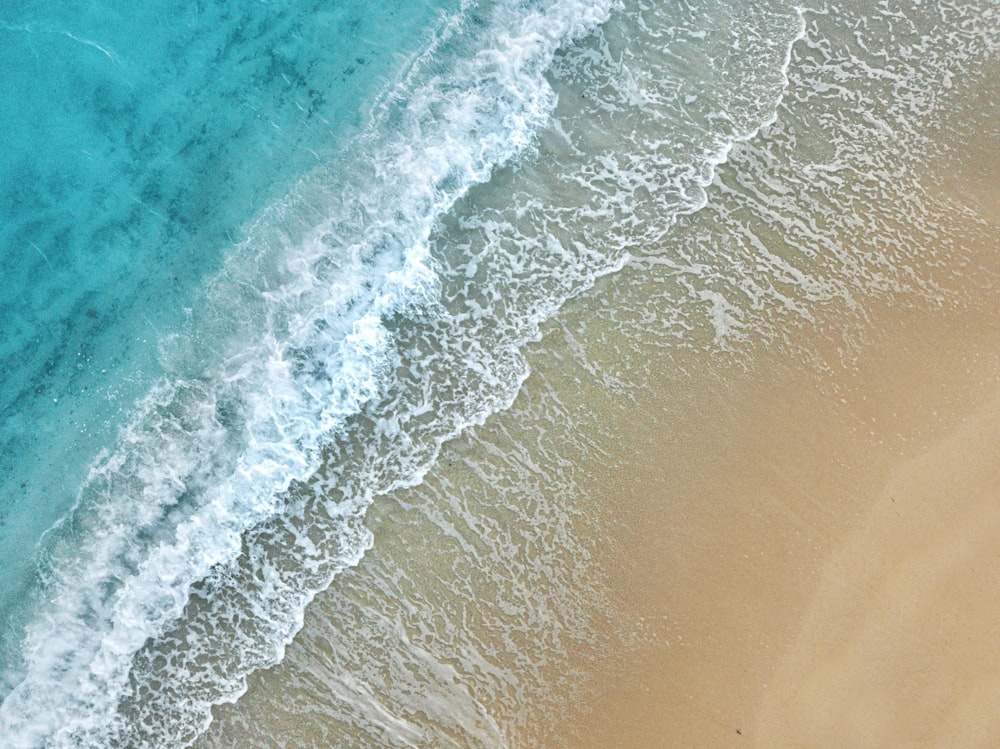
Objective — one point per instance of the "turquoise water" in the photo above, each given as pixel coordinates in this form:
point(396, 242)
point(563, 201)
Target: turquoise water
point(261, 261)
point(139, 141)
point(215, 220)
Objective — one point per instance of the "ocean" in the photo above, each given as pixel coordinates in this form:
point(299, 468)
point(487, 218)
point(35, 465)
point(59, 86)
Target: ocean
point(277, 281)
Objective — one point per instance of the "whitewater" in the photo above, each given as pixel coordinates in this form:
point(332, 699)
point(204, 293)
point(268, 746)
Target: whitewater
point(263, 265)
point(286, 344)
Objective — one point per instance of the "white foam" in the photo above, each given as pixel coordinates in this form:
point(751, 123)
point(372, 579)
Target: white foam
point(209, 456)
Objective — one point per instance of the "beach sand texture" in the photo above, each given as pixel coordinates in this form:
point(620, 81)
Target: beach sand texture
point(769, 525)
point(790, 555)
point(841, 592)
point(500, 374)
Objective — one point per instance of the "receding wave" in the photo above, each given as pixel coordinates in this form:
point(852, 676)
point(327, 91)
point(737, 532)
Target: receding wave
point(365, 320)
point(301, 325)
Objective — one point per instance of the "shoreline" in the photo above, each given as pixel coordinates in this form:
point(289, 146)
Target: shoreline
point(664, 545)
point(707, 572)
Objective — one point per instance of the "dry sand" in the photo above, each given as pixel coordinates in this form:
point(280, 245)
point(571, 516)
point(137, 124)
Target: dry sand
point(821, 564)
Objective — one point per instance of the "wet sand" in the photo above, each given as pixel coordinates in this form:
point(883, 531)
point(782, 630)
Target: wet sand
point(793, 556)
point(790, 560)
point(818, 565)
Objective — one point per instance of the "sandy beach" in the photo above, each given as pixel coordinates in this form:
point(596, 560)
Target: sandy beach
point(500, 374)
point(800, 553)
point(820, 565)
point(747, 497)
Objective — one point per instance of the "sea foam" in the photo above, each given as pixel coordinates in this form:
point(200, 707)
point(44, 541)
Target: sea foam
point(301, 322)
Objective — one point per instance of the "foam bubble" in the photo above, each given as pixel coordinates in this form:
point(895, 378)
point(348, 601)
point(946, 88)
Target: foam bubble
point(300, 324)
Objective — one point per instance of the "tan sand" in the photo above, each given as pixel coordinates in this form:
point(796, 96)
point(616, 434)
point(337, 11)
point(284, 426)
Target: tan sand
point(900, 643)
point(821, 566)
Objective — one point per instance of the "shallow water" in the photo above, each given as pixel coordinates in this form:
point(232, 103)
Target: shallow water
point(332, 265)
point(483, 613)
point(140, 143)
